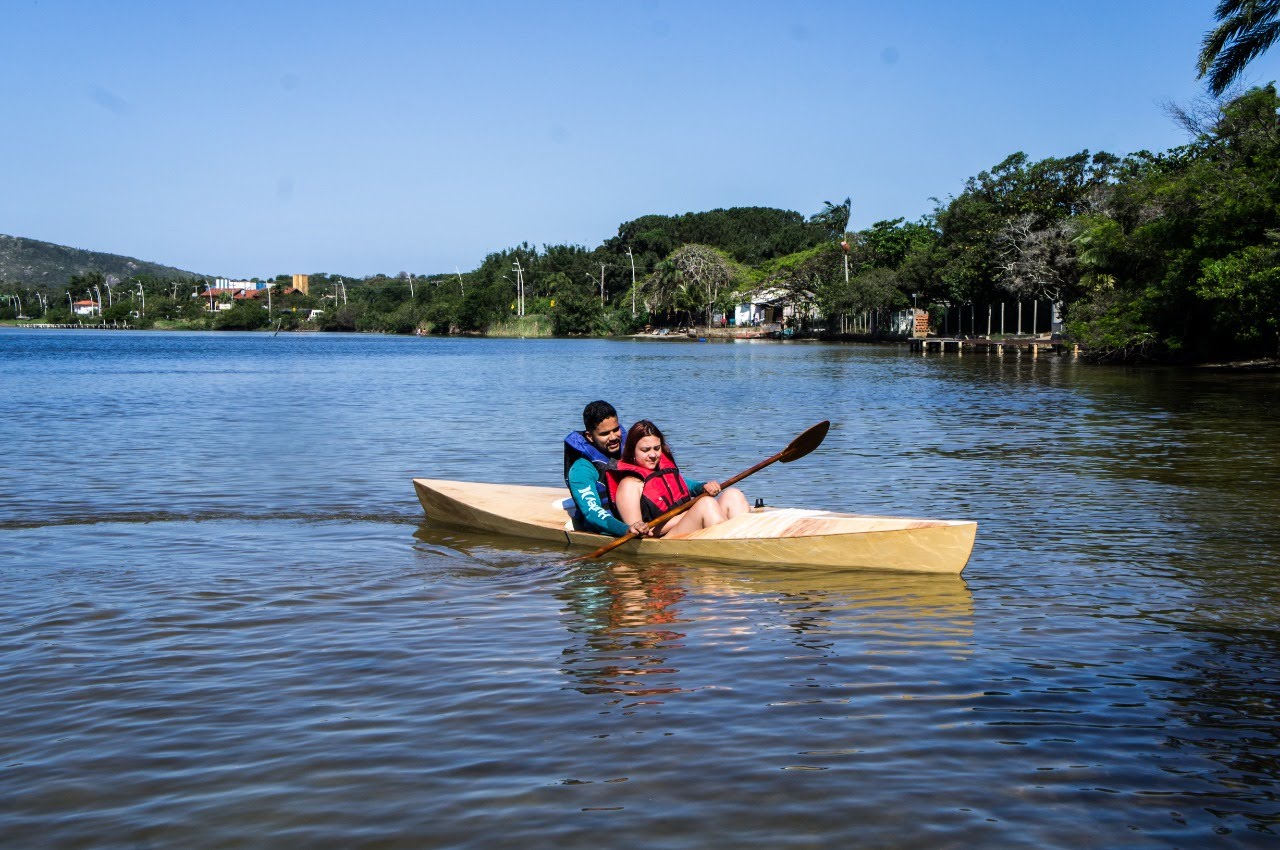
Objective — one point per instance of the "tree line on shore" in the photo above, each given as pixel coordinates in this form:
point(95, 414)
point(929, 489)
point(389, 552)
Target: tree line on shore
point(1172, 256)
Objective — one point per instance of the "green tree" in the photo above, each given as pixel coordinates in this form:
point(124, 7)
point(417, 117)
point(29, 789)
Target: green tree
point(483, 304)
point(244, 316)
point(442, 314)
point(1245, 284)
point(117, 312)
point(577, 306)
point(1007, 227)
point(1181, 260)
point(746, 234)
point(814, 279)
point(341, 317)
point(59, 315)
point(886, 244)
point(695, 278)
point(808, 279)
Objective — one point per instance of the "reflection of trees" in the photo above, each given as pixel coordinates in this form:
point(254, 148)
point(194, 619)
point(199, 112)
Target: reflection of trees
point(624, 619)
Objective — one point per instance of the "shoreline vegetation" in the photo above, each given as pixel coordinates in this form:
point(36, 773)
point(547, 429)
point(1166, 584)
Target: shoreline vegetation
point(539, 327)
point(1162, 257)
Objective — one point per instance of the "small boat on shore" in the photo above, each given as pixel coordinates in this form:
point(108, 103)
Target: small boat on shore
point(769, 536)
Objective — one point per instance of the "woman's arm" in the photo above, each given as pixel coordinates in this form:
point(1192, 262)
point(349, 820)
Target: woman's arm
point(628, 498)
point(697, 488)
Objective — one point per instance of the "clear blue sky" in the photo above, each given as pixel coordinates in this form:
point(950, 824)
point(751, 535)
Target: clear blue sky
point(260, 138)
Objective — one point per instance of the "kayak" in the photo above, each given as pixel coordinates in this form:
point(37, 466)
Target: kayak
point(768, 536)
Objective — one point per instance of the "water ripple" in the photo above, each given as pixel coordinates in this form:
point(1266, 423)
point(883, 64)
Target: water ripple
point(268, 647)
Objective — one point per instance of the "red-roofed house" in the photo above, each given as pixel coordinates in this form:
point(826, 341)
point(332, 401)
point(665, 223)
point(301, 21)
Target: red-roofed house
point(212, 296)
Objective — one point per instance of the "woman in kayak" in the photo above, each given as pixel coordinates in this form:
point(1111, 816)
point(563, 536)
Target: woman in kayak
point(647, 483)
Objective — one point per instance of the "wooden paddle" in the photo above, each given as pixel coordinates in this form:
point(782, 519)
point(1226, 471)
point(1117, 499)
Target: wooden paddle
point(798, 448)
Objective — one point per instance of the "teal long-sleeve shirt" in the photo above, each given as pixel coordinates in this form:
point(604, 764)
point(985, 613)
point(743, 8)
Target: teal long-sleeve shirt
point(583, 477)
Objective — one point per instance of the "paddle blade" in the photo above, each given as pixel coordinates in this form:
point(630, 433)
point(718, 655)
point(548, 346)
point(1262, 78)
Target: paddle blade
point(806, 442)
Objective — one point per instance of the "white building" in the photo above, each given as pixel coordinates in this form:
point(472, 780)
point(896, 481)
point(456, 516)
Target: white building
point(764, 307)
point(227, 283)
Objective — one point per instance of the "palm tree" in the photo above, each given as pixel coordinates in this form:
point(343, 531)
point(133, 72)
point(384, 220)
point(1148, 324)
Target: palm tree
point(660, 289)
point(834, 218)
point(1246, 28)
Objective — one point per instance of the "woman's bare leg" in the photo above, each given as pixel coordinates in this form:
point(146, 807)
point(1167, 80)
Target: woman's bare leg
point(732, 502)
point(704, 513)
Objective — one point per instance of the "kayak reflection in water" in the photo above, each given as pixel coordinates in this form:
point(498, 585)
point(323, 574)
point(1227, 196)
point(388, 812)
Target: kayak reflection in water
point(647, 483)
point(626, 627)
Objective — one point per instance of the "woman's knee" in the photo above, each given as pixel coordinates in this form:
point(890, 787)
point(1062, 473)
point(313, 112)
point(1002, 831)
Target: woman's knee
point(710, 509)
point(733, 502)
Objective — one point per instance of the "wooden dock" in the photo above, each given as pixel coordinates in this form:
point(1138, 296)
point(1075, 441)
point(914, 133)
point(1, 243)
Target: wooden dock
point(1000, 347)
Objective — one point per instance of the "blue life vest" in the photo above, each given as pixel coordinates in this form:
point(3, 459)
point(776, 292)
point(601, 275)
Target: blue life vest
point(576, 445)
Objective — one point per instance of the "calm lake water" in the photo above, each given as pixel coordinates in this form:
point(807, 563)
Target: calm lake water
point(225, 624)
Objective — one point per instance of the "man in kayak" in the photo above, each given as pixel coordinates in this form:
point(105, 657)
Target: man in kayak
point(587, 454)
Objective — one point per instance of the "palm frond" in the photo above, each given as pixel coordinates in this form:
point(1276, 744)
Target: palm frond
point(1246, 29)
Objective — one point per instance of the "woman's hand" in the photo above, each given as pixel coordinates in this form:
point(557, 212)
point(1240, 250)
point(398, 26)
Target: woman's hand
point(711, 488)
point(641, 529)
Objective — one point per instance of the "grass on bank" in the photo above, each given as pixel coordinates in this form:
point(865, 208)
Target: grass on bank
point(521, 326)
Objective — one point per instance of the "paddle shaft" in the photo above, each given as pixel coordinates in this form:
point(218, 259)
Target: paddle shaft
point(799, 447)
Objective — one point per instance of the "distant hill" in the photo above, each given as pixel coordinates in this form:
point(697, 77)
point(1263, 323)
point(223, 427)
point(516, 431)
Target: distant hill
point(36, 263)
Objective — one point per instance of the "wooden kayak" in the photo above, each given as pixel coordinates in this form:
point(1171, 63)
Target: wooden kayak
point(772, 536)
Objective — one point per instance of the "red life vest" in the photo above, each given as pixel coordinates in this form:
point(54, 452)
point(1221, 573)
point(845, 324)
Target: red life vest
point(664, 487)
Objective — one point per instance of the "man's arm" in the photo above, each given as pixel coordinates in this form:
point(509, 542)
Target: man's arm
point(582, 486)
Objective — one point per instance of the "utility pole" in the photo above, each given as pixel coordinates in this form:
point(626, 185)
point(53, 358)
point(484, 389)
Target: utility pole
point(461, 285)
point(844, 249)
point(602, 284)
point(633, 282)
point(519, 287)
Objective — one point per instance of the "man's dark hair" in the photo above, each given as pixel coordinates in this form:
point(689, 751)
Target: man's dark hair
point(596, 412)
